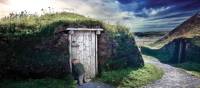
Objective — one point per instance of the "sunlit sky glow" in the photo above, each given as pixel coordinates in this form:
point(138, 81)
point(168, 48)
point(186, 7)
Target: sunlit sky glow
point(139, 15)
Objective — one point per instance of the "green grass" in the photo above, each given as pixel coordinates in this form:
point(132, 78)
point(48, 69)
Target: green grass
point(66, 82)
point(191, 67)
point(131, 78)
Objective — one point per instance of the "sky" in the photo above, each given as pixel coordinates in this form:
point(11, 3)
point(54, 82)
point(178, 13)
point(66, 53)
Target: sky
point(138, 15)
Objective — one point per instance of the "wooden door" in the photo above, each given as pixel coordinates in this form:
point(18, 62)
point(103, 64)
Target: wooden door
point(83, 47)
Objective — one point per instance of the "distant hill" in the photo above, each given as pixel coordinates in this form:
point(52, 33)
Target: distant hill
point(151, 34)
point(188, 29)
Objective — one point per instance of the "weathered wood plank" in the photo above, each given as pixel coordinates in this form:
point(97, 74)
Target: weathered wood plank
point(70, 58)
point(96, 54)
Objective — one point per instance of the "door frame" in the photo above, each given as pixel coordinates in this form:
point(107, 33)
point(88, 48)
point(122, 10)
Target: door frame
point(71, 32)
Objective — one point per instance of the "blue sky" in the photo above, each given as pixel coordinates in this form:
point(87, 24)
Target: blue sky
point(160, 15)
point(138, 15)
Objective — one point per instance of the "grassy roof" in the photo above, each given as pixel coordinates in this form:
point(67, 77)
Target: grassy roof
point(28, 24)
point(22, 24)
point(188, 29)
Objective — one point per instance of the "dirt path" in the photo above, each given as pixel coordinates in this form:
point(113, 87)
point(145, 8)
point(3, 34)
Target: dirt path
point(173, 77)
point(95, 85)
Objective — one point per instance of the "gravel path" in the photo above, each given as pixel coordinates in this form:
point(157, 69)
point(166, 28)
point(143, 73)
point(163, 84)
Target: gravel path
point(173, 77)
point(95, 85)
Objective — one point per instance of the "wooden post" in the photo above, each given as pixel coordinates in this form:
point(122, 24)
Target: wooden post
point(175, 56)
point(183, 50)
point(70, 54)
point(180, 51)
point(96, 50)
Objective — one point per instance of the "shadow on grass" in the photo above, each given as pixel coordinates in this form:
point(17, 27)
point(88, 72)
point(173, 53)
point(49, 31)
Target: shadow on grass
point(160, 54)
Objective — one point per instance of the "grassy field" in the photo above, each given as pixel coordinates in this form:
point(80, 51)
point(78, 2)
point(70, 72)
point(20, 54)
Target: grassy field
point(191, 67)
point(132, 78)
point(65, 82)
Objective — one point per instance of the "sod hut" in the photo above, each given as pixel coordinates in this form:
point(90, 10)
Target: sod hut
point(42, 46)
point(182, 44)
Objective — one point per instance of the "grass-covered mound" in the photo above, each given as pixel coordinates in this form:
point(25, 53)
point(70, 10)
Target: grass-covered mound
point(183, 43)
point(31, 47)
point(132, 78)
point(66, 82)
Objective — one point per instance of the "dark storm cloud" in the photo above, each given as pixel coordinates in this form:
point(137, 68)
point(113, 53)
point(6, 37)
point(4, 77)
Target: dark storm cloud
point(159, 3)
point(178, 5)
